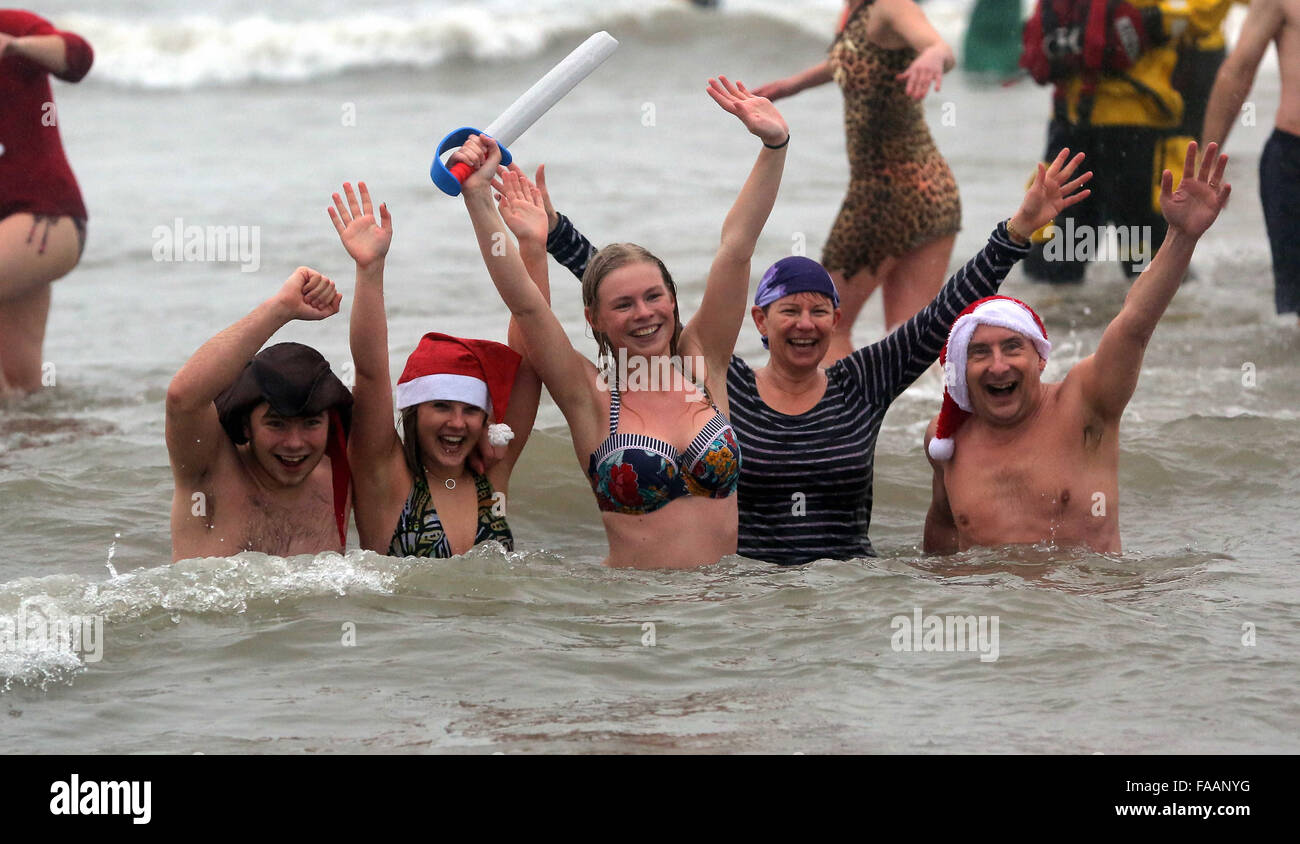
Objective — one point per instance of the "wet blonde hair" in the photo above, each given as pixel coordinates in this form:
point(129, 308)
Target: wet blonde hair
point(613, 257)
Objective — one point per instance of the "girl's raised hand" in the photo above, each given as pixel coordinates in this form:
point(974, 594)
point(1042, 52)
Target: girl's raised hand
point(365, 241)
point(521, 204)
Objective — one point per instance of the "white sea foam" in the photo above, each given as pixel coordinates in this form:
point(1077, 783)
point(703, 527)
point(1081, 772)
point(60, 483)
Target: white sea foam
point(235, 44)
point(236, 47)
point(214, 585)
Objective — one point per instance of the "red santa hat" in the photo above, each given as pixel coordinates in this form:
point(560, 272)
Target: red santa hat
point(1001, 311)
point(477, 372)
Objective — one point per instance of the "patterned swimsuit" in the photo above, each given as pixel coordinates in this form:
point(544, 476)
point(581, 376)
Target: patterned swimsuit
point(420, 533)
point(901, 192)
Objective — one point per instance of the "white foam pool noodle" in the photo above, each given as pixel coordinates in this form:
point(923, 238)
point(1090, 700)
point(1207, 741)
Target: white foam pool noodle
point(551, 88)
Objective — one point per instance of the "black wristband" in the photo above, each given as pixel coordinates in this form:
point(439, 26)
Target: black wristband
point(780, 145)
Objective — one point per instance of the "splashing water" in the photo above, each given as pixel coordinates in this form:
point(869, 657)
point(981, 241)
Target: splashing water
point(112, 549)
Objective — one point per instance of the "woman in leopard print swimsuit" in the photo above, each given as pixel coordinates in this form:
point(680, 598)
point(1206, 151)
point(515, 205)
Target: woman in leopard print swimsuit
point(901, 215)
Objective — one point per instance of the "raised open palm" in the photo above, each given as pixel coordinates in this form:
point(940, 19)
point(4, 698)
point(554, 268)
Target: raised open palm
point(365, 241)
point(1052, 191)
point(1200, 197)
point(757, 113)
point(520, 202)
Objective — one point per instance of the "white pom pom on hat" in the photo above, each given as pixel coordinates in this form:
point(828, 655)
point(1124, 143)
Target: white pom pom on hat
point(500, 434)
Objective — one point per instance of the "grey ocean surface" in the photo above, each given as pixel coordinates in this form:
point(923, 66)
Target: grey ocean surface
point(1186, 642)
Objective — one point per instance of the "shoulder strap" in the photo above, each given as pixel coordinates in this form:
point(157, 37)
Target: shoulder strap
point(613, 410)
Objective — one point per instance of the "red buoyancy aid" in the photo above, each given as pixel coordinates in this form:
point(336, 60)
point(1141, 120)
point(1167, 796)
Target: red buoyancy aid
point(1086, 38)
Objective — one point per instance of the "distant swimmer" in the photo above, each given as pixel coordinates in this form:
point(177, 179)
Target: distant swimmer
point(1276, 21)
point(421, 494)
point(42, 216)
point(1017, 460)
point(257, 442)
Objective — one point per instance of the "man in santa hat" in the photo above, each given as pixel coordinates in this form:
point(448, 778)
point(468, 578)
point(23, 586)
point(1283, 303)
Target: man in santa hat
point(1019, 460)
point(258, 442)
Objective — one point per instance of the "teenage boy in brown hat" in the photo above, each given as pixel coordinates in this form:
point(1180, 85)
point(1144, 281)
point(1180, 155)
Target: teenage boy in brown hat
point(257, 443)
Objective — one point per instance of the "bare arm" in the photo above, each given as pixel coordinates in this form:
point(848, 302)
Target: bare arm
point(374, 441)
point(193, 430)
point(940, 527)
point(524, 212)
point(48, 51)
point(1109, 376)
point(818, 74)
point(64, 54)
point(934, 56)
point(717, 323)
point(564, 371)
point(1237, 73)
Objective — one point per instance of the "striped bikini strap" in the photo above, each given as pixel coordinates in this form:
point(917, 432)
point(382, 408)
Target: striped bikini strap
point(613, 411)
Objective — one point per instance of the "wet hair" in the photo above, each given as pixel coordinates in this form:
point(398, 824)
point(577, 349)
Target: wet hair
point(616, 256)
point(411, 440)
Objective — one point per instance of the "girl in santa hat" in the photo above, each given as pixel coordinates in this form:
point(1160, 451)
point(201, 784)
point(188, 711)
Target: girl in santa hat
point(661, 457)
point(421, 494)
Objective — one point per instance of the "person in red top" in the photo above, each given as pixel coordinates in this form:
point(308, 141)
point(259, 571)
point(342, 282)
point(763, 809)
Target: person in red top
point(42, 217)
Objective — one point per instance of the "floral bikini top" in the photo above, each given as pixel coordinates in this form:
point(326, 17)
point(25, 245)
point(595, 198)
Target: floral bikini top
point(637, 474)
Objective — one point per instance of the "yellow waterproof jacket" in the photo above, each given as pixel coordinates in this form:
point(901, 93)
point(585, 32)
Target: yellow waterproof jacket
point(1153, 102)
point(1215, 40)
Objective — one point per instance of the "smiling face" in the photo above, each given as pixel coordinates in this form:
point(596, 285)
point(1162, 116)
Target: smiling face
point(448, 432)
point(798, 328)
point(1002, 374)
point(287, 448)
point(635, 309)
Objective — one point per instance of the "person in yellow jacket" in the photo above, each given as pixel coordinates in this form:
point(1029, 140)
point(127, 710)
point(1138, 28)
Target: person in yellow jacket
point(1112, 64)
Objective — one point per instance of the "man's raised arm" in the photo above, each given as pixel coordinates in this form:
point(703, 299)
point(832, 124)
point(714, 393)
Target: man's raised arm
point(193, 430)
point(1109, 376)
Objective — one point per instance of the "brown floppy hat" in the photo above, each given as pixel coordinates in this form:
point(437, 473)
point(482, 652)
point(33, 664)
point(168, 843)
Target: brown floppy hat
point(294, 379)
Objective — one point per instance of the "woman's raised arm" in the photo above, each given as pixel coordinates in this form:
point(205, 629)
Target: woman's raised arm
point(373, 436)
point(564, 371)
point(713, 330)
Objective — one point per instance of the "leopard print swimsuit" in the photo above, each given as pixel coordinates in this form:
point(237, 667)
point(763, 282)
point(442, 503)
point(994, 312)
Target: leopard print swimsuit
point(901, 192)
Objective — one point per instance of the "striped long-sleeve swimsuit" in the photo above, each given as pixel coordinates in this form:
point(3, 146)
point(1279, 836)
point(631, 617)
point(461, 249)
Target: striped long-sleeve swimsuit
point(805, 488)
